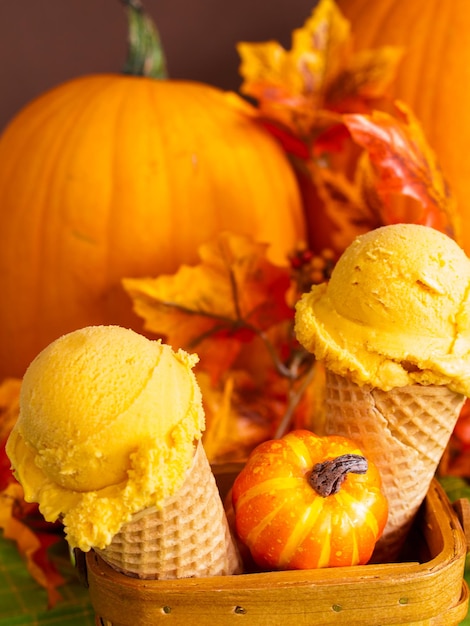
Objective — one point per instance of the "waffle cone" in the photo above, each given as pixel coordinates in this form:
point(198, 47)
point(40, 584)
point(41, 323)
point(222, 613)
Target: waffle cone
point(404, 432)
point(188, 537)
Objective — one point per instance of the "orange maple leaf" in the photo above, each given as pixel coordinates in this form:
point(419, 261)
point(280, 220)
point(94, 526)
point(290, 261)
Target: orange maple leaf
point(244, 409)
point(9, 406)
point(305, 87)
point(234, 424)
point(365, 78)
point(9, 409)
point(21, 521)
point(233, 294)
point(348, 211)
point(31, 545)
point(405, 164)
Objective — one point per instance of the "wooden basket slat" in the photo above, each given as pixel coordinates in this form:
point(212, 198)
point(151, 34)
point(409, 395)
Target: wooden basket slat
point(414, 593)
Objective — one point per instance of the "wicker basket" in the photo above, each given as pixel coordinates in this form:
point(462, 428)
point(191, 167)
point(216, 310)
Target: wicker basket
point(427, 589)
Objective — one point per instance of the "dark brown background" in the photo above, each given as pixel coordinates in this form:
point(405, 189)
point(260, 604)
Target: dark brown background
point(45, 42)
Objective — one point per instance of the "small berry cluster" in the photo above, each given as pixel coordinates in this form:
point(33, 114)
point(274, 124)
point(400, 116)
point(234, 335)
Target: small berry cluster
point(311, 269)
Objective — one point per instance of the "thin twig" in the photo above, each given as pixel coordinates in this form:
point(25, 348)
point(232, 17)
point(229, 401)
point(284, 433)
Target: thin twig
point(295, 395)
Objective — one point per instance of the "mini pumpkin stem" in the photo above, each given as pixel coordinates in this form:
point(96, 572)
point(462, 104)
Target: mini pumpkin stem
point(145, 55)
point(327, 477)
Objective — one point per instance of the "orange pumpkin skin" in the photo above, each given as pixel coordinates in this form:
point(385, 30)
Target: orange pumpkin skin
point(432, 78)
point(286, 524)
point(110, 176)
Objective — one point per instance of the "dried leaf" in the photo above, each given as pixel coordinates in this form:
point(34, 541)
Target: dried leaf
point(405, 164)
point(32, 546)
point(9, 409)
point(322, 47)
point(241, 412)
point(344, 205)
point(9, 405)
point(232, 295)
point(289, 86)
point(331, 140)
point(21, 521)
point(365, 78)
point(303, 88)
point(288, 140)
point(455, 488)
point(311, 412)
point(232, 431)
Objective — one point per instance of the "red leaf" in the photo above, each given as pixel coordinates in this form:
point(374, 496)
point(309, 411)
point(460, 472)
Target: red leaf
point(290, 143)
point(31, 545)
point(405, 164)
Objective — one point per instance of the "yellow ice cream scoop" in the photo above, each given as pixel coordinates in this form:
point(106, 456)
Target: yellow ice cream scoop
point(107, 426)
point(395, 312)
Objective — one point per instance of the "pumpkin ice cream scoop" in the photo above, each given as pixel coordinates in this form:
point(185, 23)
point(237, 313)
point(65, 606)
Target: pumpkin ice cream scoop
point(392, 327)
point(108, 437)
point(395, 312)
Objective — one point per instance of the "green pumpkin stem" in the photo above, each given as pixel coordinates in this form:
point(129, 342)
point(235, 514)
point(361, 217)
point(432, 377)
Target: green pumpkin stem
point(145, 55)
point(327, 477)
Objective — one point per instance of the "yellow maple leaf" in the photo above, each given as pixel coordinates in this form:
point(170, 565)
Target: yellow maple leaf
point(232, 295)
point(366, 76)
point(303, 87)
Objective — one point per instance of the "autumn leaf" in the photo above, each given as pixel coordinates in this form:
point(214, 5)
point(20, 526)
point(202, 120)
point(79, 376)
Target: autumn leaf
point(242, 411)
point(303, 88)
point(9, 405)
point(348, 212)
point(289, 142)
point(405, 164)
point(456, 458)
point(9, 409)
point(236, 420)
point(364, 79)
point(31, 545)
point(21, 521)
point(232, 295)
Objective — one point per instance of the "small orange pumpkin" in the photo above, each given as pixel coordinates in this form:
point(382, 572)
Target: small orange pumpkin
point(305, 501)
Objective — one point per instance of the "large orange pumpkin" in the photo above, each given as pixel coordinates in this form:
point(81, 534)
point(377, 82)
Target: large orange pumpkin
point(433, 77)
point(112, 176)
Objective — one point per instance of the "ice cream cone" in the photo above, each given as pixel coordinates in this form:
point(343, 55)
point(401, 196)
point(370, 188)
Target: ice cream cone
point(404, 432)
point(188, 537)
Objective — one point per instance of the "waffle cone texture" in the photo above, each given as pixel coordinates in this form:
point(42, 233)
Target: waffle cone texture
point(404, 432)
point(188, 537)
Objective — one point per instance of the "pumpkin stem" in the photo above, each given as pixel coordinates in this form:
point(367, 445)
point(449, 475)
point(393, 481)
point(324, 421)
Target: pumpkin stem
point(145, 55)
point(327, 477)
